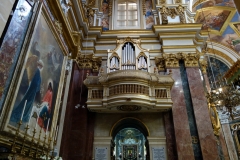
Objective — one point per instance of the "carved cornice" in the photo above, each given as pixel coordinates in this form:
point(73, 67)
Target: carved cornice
point(88, 62)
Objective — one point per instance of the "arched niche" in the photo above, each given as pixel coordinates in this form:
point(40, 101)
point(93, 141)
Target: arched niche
point(132, 144)
point(129, 122)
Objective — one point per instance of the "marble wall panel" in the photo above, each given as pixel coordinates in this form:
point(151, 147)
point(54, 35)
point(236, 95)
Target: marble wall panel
point(204, 125)
point(180, 119)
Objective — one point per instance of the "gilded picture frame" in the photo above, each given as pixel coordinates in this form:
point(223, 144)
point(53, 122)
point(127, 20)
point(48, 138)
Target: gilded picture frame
point(218, 13)
point(236, 27)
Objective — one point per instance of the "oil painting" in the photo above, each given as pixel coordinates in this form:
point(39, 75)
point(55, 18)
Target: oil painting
point(38, 89)
point(229, 38)
point(11, 46)
point(105, 17)
point(227, 3)
point(149, 14)
point(215, 19)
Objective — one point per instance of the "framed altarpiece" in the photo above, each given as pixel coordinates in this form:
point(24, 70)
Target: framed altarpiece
point(33, 98)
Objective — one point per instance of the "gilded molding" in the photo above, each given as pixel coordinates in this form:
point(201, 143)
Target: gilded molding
point(213, 116)
point(92, 3)
point(142, 54)
point(234, 69)
point(227, 21)
point(144, 6)
point(88, 62)
point(160, 63)
point(58, 26)
point(119, 42)
point(110, 8)
point(164, 11)
point(221, 54)
point(89, 13)
point(180, 11)
point(198, 2)
point(234, 27)
point(161, 1)
point(172, 12)
point(203, 64)
point(114, 54)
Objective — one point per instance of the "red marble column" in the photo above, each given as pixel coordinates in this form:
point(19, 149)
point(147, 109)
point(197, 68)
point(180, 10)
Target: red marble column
point(180, 119)
point(205, 131)
point(170, 136)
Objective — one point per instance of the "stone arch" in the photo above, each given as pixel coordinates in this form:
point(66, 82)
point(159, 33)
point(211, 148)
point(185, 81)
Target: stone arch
point(129, 122)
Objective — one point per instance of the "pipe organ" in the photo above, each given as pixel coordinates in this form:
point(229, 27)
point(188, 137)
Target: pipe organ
point(114, 64)
point(128, 56)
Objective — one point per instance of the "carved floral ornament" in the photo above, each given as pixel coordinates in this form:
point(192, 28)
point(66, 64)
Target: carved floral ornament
point(88, 62)
point(172, 60)
point(89, 12)
point(172, 12)
point(137, 42)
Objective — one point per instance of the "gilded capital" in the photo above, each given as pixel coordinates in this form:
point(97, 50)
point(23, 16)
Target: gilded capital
point(191, 60)
point(171, 60)
point(88, 62)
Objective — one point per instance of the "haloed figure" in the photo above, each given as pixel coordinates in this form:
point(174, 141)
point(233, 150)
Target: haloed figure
point(45, 113)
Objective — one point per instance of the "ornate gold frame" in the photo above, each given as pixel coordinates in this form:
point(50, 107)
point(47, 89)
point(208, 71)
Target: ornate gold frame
point(232, 13)
point(234, 28)
point(18, 73)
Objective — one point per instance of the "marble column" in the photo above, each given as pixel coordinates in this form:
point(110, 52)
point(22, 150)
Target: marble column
point(170, 136)
point(180, 119)
point(205, 131)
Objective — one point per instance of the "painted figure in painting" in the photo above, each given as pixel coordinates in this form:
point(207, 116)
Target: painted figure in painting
point(32, 91)
point(149, 15)
point(105, 7)
point(214, 20)
point(46, 105)
point(105, 24)
point(234, 43)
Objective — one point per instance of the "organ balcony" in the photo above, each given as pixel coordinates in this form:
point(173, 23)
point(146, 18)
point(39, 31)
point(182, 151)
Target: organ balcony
point(129, 90)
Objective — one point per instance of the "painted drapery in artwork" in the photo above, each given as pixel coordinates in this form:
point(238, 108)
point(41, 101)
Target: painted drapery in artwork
point(40, 81)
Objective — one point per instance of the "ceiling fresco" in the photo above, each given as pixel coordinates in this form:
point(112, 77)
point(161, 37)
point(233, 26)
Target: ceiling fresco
point(223, 20)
